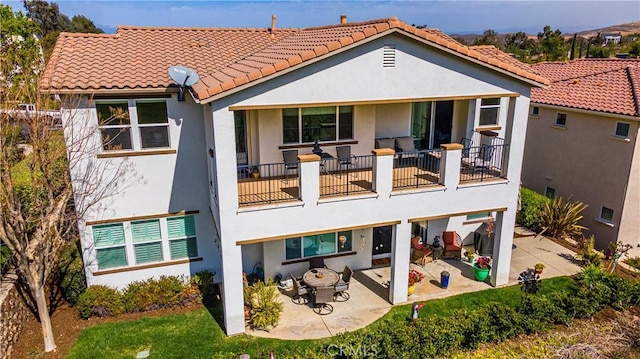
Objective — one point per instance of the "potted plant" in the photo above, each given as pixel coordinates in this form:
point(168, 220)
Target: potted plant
point(253, 171)
point(538, 267)
point(468, 253)
point(415, 277)
point(481, 268)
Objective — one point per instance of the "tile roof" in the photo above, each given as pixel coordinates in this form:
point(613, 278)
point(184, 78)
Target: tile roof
point(138, 57)
point(603, 85)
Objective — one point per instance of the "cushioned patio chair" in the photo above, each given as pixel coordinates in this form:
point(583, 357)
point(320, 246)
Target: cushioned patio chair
point(452, 245)
point(323, 295)
point(420, 252)
point(341, 294)
point(301, 292)
point(406, 150)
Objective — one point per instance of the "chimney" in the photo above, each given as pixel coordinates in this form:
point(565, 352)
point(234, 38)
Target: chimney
point(273, 26)
point(343, 19)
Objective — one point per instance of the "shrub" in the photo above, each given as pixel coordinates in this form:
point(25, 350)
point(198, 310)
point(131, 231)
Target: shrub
point(633, 262)
point(204, 281)
point(559, 218)
point(71, 274)
point(154, 294)
point(100, 301)
point(266, 309)
point(531, 207)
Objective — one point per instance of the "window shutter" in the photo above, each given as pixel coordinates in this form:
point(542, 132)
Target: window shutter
point(184, 248)
point(148, 252)
point(180, 227)
point(145, 231)
point(108, 235)
point(111, 257)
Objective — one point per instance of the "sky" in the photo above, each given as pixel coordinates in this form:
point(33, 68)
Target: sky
point(449, 16)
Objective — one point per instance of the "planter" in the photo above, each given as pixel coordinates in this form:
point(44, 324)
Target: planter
point(481, 274)
point(410, 289)
point(256, 174)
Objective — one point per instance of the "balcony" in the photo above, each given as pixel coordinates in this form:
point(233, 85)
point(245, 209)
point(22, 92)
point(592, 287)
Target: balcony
point(275, 183)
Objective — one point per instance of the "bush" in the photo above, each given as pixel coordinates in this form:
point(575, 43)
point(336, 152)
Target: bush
point(204, 281)
point(154, 294)
point(266, 309)
point(559, 218)
point(587, 252)
point(100, 301)
point(531, 203)
point(71, 274)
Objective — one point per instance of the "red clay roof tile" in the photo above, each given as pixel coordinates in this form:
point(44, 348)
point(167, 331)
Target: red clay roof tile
point(603, 85)
point(138, 57)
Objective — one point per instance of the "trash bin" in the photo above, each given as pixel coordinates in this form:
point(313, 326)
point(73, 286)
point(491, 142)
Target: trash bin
point(444, 279)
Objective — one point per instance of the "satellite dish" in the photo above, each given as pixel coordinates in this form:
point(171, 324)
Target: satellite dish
point(183, 76)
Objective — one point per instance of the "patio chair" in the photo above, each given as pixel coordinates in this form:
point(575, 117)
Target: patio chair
point(343, 286)
point(345, 158)
point(290, 158)
point(420, 251)
point(407, 153)
point(316, 262)
point(301, 292)
point(452, 245)
point(466, 143)
point(323, 295)
point(482, 162)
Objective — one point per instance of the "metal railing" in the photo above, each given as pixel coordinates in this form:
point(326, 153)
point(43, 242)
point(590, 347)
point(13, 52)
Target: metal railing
point(416, 169)
point(268, 183)
point(483, 162)
point(339, 177)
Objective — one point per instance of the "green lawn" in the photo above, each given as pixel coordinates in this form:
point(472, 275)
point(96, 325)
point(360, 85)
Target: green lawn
point(197, 334)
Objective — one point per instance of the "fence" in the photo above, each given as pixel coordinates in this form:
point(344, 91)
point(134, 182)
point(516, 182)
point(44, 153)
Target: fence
point(344, 177)
point(416, 169)
point(268, 183)
point(483, 162)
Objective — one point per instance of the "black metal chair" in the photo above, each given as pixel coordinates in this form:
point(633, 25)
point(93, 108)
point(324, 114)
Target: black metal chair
point(345, 158)
point(466, 143)
point(316, 262)
point(301, 291)
point(323, 295)
point(482, 162)
point(290, 158)
point(343, 286)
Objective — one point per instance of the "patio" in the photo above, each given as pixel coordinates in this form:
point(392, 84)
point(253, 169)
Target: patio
point(369, 292)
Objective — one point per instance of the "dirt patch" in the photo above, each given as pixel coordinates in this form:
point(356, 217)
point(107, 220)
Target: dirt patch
point(67, 327)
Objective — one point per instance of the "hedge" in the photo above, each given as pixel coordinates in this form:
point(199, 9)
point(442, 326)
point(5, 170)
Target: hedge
point(531, 206)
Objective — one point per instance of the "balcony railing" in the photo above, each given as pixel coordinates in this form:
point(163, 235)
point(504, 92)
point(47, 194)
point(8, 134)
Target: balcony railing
point(342, 177)
point(416, 169)
point(482, 163)
point(268, 183)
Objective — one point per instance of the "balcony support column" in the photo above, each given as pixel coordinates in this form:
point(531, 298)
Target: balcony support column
point(502, 247)
point(450, 165)
point(383, 171)
point(400, 257)
point(309, 178)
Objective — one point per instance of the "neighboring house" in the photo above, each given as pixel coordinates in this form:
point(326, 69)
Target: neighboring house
point(216, 193)
point(582, 142)
point(611, 39)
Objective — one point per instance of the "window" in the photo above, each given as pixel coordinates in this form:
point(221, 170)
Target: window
point(308, 124)
point(622, 129)
point(561, 119)
point(606, 214)
point(110, 245)
point(535, 110)
point(147, 240)
point(182, 237)
point(550, 192)
point(471, 217)
point(317, 245)
point(114, 124)
point(489, 110)
point(133, 125)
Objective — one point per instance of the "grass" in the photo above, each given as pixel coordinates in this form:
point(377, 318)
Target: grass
point(197, 334)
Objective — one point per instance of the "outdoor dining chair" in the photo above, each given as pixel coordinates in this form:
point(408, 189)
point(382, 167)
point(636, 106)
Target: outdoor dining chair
point(301, 292)
point(290, 158)
point(323, 295)
point(345, 158)
point(316, 262)
point(343, 286)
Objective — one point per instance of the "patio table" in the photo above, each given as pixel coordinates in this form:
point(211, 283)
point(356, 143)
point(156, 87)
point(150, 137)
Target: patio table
point(320, 277)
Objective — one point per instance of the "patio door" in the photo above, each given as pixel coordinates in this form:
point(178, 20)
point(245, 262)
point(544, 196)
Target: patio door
point(381, 242)
point(431, 123)
point(240, 121)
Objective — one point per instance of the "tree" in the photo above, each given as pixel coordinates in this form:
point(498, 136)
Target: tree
point(80, 23)
point(520, 45)
point(489, 37)
point(38, 206)
point(635, 48)
point(551, 43)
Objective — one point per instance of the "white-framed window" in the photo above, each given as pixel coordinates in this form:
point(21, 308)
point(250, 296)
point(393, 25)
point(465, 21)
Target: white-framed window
point(308, 124)
point(318, 245)
point(146, 240)
point(478, 216)
point(550, 192)
point(133, 124)
point(535, 110)
point(606, 214)
point(561, 119)
point(489, 111)
point(110, 245)
point(622, 129)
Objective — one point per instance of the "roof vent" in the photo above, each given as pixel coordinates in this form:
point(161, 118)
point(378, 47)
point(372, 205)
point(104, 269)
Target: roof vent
point(389, 56)
point(343, 19)
point(273, 26)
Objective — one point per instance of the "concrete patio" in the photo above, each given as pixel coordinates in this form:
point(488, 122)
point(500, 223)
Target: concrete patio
point(369, 290)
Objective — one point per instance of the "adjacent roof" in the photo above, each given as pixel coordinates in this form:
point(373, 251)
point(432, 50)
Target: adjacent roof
point(603, 85)
point(139, 57)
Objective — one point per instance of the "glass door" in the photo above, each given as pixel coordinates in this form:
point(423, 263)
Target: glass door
point(382, 242)
point(431, 123)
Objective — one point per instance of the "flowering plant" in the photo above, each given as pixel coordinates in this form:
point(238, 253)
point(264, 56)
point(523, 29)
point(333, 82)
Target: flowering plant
point(489, 227)
point(415, 277)
point(484, 262)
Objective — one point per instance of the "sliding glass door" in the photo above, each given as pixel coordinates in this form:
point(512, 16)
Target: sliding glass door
point(431, 123)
